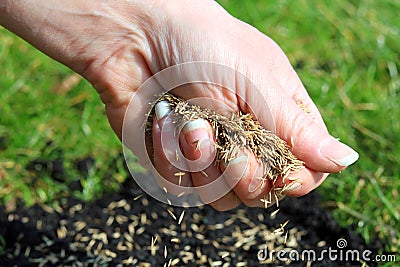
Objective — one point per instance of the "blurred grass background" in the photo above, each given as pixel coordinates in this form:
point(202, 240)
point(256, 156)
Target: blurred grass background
point(346, 53)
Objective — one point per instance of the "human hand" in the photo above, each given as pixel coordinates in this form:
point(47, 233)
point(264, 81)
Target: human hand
point(118, 48)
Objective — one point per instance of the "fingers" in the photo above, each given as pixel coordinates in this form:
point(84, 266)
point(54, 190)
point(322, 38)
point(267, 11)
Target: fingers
point(245, 175)
point(197, 140)
point(197, 144)
point(297, 119)
point(166, 162)
point(332, 151)
point(300, 183)
point(310, 142)
point(197, 161)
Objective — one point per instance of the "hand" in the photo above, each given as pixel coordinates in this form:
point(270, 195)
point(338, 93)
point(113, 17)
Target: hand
point(117, 47)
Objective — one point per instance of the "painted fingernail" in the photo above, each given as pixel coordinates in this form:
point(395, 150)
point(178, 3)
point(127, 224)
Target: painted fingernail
point(338, 152)
point(162, 109)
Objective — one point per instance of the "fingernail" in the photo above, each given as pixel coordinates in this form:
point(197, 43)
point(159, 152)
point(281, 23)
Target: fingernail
point(162, 109)
point(292, 187)
point(196, 124)
point(255, 183)
point(199, 132)
point(235, 161)
point(338, 152)
point(238, 160)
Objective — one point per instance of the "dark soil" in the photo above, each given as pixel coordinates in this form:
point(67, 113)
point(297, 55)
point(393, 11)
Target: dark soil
point(129, 228)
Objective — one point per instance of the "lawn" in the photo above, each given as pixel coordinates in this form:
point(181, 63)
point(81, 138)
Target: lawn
point(346, 52)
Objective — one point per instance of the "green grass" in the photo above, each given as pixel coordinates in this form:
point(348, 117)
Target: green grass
point(35, 110)
point(346, 53)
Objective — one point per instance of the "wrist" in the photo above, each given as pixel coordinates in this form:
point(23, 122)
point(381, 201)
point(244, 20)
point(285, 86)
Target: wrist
point(76, 32)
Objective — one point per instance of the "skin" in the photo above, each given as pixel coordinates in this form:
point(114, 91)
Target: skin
point(118, 45)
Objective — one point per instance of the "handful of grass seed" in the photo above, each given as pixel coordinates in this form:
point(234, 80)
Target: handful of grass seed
point(238, 132)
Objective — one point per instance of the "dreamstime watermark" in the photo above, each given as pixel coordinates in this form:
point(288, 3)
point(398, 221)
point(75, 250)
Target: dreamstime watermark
point(340, 253)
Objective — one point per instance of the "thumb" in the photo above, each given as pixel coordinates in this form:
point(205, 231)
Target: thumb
point(310, 141)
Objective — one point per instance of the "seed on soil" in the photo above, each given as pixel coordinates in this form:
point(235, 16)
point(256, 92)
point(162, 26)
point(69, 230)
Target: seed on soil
point(225, 255)
point(199, 237)
point(62, 232)
point(109, 221)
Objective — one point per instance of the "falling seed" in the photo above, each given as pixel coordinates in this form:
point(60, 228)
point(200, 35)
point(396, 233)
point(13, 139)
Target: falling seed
point(197, 145)
point(172, 214)
point(180, 173)
point(137, 197)
point(176, 155)
point(153, 241)
point(165, 189)
point(265, 201)
point(165, 252)
point(284, 224)
point(204, 173)
point(180, 194)
point(276, 199)
point(181, 217)
point(274, 213)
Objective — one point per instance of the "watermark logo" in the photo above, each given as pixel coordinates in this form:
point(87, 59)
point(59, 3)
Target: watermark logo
point(339, 253)
point(195, 76)
point(341, 243)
